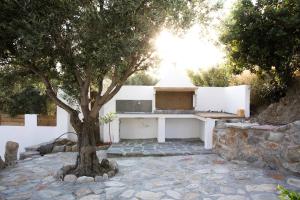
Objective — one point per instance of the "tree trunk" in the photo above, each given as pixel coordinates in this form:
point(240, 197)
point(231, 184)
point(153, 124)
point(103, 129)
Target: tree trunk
point(97, 132)
point(88, 162)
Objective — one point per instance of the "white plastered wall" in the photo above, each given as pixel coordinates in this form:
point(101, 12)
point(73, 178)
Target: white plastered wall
point(218, 99)
point(224, 99)
point(31, 134)
point(125, 93)
point(184, 128)
point(138, 128)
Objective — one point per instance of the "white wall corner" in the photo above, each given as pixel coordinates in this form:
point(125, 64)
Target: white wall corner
point(161, 133)
point(208, 132)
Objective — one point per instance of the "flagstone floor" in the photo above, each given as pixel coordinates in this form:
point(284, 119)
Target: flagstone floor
point(150, 147)
point(206, 177)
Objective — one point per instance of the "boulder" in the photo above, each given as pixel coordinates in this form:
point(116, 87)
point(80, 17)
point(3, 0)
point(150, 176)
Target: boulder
point(70, 178)
point(46, 149)
point(2, 164)
point(105, 164)
point(60, 148)
point(292, 154)
point(29, 154)
point(105, 177)
point(113, 165)
point(85, 179)
point(11, 153)
point(68, 149)
point(74, 148)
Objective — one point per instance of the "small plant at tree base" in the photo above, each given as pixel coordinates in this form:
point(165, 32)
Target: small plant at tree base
point(107, 119)
point(286, 194)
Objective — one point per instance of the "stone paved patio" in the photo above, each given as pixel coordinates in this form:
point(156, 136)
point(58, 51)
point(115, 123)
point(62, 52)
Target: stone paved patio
point(150, 147)
point(206, 177)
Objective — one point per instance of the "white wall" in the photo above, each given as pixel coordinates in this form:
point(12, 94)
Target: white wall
point(224, 99)
point(125, 93)
point(138, 128)
point(238, 97)
point(211, 99)
point(31, 134)
point(183, 128)
point(219, 99)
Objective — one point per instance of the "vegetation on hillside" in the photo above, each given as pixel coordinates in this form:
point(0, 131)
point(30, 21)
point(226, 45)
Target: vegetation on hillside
point(264, 37)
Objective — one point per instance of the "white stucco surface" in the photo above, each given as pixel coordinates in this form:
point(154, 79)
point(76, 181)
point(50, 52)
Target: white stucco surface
point(31, 134)
point(183, 128)
point(138, 128)
point(224, 99)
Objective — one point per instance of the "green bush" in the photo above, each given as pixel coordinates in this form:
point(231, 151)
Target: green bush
point(264, 90)
point(28, 101)
point(286, 194)
point(141, 78)
point(213, 77)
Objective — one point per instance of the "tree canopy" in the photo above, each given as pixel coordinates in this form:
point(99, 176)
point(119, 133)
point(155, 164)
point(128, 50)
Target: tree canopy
point(141, 78)
point(76, 46)
point(264, 37)
point(214, 77)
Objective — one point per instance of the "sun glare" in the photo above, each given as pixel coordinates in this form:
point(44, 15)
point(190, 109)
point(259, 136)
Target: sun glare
point(189, 51)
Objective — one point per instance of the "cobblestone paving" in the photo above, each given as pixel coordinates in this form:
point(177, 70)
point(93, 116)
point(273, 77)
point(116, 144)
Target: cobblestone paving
point(153, 148)
point(205, 177)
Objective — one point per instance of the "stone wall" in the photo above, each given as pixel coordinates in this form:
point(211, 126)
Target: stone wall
point(274, 147)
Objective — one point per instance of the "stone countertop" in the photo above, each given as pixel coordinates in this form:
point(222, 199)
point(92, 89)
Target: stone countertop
point(247, 125)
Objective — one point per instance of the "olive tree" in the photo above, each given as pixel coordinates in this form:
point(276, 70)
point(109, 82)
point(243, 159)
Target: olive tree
point(75, 46)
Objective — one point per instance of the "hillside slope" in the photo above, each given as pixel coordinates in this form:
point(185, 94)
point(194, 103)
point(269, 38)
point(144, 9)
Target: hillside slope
point(285, 111)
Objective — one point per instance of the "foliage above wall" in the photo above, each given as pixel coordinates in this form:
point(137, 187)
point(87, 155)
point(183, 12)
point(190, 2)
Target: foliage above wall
point(265, 37)
point(141, 78)
point(214, 77)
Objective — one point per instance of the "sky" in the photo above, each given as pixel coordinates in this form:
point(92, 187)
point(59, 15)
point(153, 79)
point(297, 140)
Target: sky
point(192, 51)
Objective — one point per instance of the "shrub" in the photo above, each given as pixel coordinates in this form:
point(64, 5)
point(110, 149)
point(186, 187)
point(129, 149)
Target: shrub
point(264, 90)
point(213, 77)
point(286, 194)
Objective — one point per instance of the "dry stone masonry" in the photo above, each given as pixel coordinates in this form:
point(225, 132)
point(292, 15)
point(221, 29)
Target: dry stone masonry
point(274, 147)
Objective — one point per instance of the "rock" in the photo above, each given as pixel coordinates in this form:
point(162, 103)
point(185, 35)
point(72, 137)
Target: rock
point(111, 173)
point(68, 149)
point(98, 179)
point(67, 197)
point(261, 188)
point(292, 154)
point(46, 148)
point(127, 194)
point(85, 179)
point(147, 195)
point(173, 194)
point(294, 182)
point(105, 177)
point(74, 148)
point(91, 197)
point(264, 197)
point(2, 164)
point(275, 136)
point(114, 184)
point(48, 194)
point(70, 178)
point(2, 188)
point(48, 179)
point(233, 197)
point(58, 149)
point(113, 165)
point(105, 163)
point(11, 153)
point(29, 154)
point(83, 192)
